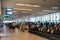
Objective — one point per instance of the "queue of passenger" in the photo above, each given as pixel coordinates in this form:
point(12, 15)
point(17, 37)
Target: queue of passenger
point(46, 27)
point(52, 28)
point(22, 26)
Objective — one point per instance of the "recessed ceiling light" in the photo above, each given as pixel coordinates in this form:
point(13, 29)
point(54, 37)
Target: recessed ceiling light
point(25, 9)
point(39, 12)
point(48, 10)
point(15, 8)
point(36, 6)
point(22, 9)
point(24, 12)
point(19, 4)
point(55, 7)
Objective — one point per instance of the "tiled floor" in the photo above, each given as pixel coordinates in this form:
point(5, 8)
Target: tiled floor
point(18, 35)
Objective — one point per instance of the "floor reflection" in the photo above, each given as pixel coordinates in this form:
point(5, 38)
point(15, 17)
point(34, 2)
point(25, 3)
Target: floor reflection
point(17, 35)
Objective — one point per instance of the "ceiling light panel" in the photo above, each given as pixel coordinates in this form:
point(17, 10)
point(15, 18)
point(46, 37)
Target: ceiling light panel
point(25, 9)
point(22, 9)
point(48, 10)
point(55, 7)
point(16, 8)
point(36, 6)
point(20, 4)
point(27, 5)
point(24, 12)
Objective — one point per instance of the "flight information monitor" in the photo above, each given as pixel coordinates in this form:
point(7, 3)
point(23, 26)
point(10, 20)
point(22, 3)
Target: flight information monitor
point(9, 11)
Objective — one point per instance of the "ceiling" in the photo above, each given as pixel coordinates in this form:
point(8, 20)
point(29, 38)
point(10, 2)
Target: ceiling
point(0, 7)
point(47, 6)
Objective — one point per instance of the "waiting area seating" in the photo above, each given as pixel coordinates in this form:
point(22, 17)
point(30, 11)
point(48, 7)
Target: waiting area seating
point(48, 30)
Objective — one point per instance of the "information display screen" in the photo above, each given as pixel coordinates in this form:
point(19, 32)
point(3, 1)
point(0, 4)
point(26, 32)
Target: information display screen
point(9, 11)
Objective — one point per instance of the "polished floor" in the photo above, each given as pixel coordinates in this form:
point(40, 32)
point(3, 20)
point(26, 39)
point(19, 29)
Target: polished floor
point(8, 34)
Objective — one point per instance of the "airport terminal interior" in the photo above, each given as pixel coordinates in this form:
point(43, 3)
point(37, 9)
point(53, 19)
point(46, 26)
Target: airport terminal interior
point(29, 19)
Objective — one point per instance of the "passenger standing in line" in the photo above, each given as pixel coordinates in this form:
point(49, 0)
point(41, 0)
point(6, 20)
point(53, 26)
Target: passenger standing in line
point(1, 26)
point(22, 27)
point(37, 26)
point(13, 26)
point(46, 24)
point(41, 24)
point(29, 26)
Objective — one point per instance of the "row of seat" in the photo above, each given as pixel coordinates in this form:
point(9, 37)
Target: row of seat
point(49, 29)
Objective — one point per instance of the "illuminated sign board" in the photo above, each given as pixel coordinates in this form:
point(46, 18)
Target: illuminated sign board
point(6, 16)
point(9, 11)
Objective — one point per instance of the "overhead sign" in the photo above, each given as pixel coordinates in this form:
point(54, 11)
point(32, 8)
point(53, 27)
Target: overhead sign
point(6, 16)
point(9, 11)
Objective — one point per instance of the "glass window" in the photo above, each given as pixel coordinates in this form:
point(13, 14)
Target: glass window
point(31, 19)
point(37, 18)
point(40, 19)
point(52, 17)
point(57, 17)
